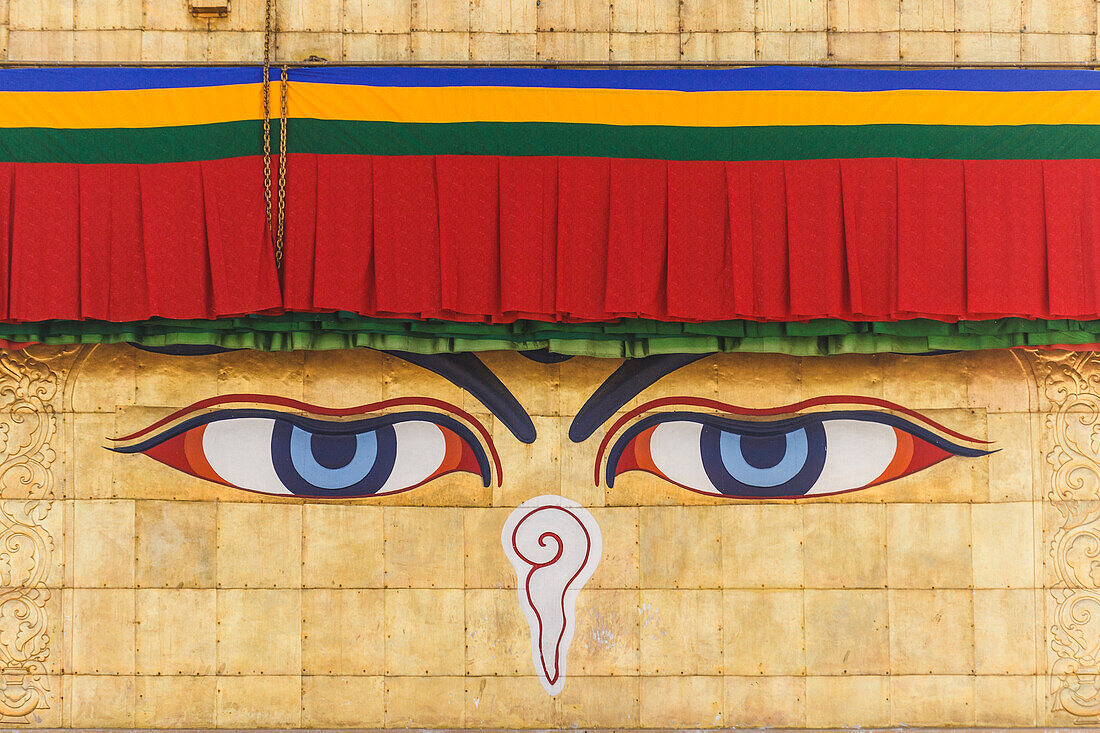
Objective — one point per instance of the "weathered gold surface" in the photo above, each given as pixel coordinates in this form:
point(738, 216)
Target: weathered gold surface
point(913, 31)
point(133, 595)
point(957, 596)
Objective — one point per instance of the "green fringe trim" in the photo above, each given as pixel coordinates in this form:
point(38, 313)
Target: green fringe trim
point(624, 338)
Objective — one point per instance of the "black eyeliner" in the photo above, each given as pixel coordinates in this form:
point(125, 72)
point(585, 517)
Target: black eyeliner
point(777, 427)
point(320, 427)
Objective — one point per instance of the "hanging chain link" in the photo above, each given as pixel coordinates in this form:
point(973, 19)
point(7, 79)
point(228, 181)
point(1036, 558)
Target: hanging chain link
point(281, 224)
point(267, 111)
point(276, 221)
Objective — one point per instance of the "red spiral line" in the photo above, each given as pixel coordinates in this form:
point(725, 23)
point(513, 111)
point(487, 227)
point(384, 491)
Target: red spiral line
point(552, 679)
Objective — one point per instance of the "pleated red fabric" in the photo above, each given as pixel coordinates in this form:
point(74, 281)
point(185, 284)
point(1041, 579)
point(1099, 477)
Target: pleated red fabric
point(637, 239)
point(584, 203)
point(869, 191)
point(469, 235)
point(700, 257)
point(173, 238)
point(7, 175)
point(1005, 237)
point(300, 250)
point(342, 258)
point(931, 239)
point(45, 225)
point(476, 238)
point(243, 276)
point(815, 241)
point(406, 236)
point(1070, 191)
point(528, 237)
point(770, 253)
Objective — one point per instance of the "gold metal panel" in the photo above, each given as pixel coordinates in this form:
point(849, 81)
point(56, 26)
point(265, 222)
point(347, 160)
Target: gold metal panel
point(956, 596)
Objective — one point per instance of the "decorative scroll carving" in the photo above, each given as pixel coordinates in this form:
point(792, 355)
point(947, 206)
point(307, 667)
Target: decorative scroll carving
point(1069, 386)
point(28, 424)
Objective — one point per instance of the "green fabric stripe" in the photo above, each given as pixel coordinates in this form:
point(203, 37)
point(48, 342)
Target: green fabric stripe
point(627, 338)
point(697, 143)
point(133, 145)
point(234, 139)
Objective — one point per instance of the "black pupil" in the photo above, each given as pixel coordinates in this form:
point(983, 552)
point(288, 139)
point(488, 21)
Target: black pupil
point(763, 451)
point(333, 451)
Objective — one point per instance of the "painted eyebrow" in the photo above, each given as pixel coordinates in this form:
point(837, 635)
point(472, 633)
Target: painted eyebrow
point(464, 370)
point(468, 372)
point(628, 381)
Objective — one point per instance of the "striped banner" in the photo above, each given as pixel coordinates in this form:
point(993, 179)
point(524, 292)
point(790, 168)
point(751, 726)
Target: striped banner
point(486, 202)
point(135, 115)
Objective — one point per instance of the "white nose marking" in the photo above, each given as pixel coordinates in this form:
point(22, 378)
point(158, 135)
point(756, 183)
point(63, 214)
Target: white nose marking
point(554, 544)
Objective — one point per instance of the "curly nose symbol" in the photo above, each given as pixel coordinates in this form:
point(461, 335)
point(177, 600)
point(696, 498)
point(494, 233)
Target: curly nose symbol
point(554, 544)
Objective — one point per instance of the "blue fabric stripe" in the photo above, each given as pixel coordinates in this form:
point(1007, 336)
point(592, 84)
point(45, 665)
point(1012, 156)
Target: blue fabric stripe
point(77, 79)
point(71, 79)
point(697, 80)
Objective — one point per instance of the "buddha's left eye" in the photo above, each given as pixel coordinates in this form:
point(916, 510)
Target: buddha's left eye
point(815, 454)
point(273, 452)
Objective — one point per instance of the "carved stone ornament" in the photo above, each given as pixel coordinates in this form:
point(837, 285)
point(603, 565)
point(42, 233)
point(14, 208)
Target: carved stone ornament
point(28, 425)
point(1069, 387)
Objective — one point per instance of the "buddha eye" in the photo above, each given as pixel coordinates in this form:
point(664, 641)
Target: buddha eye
point(807, 455)
point(273, 452)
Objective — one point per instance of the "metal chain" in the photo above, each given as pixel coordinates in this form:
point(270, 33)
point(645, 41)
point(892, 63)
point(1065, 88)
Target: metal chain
point(278, 231)
point(267, 112)
point(280, 227)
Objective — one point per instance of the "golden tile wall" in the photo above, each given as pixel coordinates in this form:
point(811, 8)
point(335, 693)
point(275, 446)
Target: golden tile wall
point(914, 31)
point(136, 595)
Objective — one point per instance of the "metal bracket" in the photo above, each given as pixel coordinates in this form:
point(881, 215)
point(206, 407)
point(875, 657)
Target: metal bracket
point(209, 8)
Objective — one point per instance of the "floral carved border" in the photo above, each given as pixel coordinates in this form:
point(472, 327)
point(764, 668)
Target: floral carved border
point(28, 427)
point(1069, 391)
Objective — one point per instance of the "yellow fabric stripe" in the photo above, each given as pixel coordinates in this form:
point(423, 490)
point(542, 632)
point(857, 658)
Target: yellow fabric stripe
point(135, 108)
point(207, 105)
point(690, 109)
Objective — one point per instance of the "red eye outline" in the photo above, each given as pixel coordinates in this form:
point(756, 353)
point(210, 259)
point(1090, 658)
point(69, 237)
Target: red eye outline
point(796, 407)
point(213, 403)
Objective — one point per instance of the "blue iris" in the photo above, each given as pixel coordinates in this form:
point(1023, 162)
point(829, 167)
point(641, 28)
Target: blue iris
point(759, 463)
point(767, 460)
point(334, 461)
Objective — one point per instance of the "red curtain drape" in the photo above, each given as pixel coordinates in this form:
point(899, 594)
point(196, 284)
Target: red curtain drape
point(569, 239)
point(592, 239)
point(127, 242)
